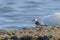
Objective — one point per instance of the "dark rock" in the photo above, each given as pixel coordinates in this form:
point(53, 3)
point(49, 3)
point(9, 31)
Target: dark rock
point(46, 38)
point(13, 33)
point(14, 38)
point(58, 39)
point(50, 36)
point(8, 33)
point(39, 38)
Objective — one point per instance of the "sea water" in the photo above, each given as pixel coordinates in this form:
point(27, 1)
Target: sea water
point(16, 14)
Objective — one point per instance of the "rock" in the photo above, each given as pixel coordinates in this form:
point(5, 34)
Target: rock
point(26, 38)
point(14, 38)
point(39, 38)
point(8, 33)
point(6, 38)
point(45, 38)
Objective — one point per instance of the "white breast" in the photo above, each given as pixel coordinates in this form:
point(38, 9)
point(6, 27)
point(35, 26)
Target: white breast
point(52, 19)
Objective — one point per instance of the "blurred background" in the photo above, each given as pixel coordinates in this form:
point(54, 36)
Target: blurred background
point(15, 14)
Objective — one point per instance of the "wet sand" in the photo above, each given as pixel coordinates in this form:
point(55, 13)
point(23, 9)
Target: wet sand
point(40, 33)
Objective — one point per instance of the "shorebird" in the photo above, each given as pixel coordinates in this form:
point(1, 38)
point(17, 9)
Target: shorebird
point(39, 23)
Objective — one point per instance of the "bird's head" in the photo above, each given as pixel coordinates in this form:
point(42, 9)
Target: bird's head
point(36, 19)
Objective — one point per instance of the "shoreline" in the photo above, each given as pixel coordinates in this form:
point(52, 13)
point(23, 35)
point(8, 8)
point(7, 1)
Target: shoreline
point(34, 33)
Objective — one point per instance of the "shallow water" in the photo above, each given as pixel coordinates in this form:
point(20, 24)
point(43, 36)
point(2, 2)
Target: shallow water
point(15, 14)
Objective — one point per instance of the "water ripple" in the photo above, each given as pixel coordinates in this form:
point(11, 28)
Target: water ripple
point(20, 13)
